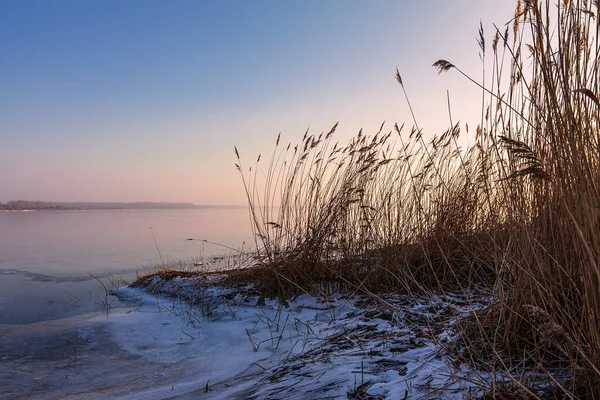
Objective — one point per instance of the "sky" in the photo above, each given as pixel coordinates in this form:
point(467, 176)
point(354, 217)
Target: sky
point(143, 100)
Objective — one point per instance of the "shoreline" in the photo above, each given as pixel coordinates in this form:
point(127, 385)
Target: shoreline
point(196, 337)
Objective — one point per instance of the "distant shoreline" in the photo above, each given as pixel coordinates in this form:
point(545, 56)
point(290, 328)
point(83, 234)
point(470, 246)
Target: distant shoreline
point(26, 205)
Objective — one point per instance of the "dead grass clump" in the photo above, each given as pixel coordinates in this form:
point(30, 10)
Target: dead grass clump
point(165, 274)
point(486, 342)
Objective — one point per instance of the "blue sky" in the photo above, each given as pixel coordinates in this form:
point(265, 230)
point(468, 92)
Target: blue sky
point(143, 100)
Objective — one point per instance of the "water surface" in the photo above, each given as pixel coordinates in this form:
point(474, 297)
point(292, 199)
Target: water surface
point(48, 259)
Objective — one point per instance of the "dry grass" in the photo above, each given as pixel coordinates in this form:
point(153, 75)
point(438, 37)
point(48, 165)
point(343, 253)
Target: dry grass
point(517, 211)
point(371, 214)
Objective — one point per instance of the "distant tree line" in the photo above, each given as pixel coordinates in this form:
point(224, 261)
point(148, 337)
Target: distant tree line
point(35, 205)
point(19, 205)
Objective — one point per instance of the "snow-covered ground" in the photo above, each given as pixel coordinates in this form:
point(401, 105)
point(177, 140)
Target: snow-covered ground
point(191, 338)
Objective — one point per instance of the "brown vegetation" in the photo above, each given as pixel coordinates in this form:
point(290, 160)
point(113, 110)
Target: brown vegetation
point(518, 211)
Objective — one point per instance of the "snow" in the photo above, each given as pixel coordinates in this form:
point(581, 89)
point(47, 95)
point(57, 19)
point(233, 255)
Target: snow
point(190, 338)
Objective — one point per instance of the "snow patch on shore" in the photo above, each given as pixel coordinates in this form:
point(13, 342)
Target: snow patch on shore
point(233, 345)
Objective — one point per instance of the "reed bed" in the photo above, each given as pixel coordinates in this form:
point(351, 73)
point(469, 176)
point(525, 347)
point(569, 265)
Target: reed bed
point(516, 212)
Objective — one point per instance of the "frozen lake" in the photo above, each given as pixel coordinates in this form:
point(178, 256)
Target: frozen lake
point(47, 258)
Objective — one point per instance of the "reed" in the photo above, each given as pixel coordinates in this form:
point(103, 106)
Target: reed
point(517, 211)
point(374, 211)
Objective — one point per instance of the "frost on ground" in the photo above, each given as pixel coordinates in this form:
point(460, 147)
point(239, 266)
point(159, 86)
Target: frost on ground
point(341, 346)
point(194, 337)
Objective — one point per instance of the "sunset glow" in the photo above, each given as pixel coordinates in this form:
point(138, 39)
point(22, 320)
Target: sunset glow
point(144, 101)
